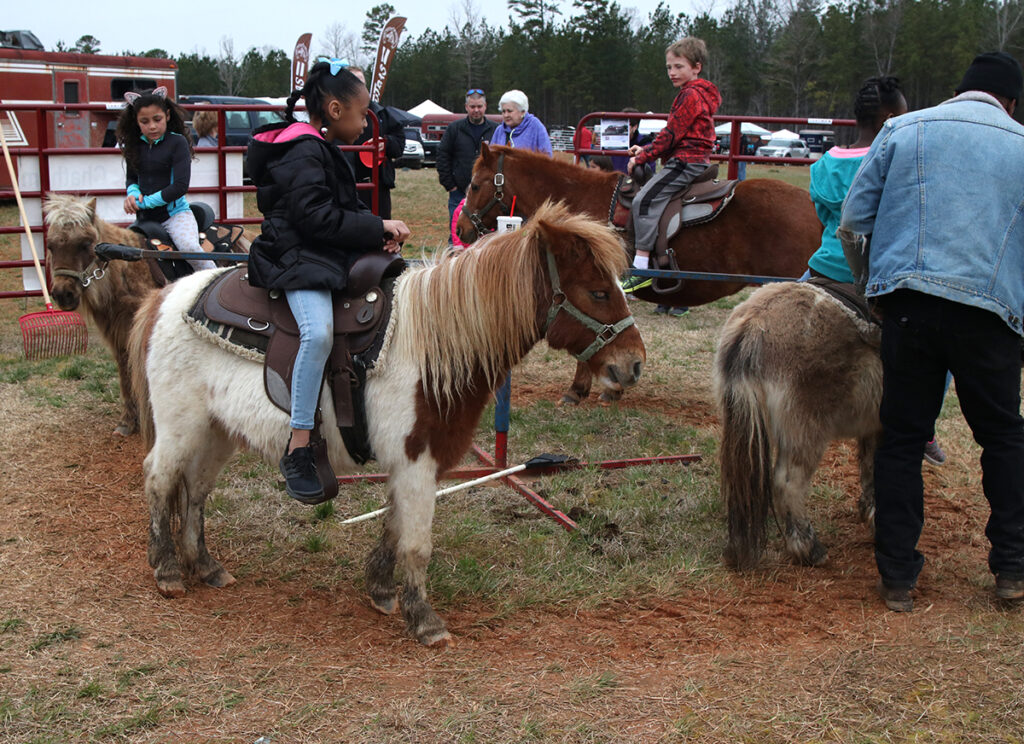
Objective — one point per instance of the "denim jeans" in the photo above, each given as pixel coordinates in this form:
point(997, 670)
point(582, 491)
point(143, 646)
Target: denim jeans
point(923, 336)
point(314, 314)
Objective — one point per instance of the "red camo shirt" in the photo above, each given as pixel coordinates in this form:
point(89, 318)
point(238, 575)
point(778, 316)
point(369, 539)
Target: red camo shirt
point(690, 131)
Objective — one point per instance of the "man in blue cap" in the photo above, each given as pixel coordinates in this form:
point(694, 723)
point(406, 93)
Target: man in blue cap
point(941, 193)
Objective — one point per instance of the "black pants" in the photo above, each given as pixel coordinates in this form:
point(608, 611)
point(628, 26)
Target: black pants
point(922, 337)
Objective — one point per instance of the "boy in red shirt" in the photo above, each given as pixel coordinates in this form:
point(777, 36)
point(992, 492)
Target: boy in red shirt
point(684, 145)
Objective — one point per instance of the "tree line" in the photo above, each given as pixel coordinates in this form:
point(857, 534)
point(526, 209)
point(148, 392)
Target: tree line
point(768, 57)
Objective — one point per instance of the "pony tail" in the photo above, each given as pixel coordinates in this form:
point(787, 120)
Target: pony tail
point(138, 349)
point(745, 454)
point(289, 108)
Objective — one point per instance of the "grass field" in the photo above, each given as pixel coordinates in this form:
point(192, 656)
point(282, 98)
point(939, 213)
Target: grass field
point(629, 630)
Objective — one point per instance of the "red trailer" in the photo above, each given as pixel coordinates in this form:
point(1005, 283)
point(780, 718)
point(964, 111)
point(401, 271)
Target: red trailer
point(32, 75)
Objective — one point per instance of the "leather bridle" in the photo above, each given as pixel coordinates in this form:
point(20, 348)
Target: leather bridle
point(496, 201)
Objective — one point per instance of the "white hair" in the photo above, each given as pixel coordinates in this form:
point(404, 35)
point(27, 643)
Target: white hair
point(517, 97)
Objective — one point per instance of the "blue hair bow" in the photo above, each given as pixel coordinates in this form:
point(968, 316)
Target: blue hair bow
point(335, 63)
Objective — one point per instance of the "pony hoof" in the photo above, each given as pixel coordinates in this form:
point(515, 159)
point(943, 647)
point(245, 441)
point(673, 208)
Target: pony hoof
point(171, 589)
point(218, 579)
point(607, 398)
point(384, 606)
point(442, 639)
point(568, 400)
point(123, 430)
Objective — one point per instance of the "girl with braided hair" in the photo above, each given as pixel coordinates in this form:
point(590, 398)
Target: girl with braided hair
point(314, 227)
point(878, 99)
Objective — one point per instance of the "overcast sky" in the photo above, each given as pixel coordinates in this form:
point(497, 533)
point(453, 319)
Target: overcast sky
point(183, 27)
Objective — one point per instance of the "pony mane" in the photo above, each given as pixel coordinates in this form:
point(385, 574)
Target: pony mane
point(67, 210)
point(475, 312)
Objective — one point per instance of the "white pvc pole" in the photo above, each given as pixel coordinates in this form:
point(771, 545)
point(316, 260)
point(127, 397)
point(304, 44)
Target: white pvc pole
point(443, 492)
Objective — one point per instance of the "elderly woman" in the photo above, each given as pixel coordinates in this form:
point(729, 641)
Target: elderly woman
point(205, 124)
point(520, 128)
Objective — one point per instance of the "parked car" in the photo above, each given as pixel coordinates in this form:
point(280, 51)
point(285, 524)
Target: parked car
point(784, 148)
point(413, 155)
point(240, 124)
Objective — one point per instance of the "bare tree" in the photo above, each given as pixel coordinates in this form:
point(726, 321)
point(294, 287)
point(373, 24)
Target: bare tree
point(881, 29)
point(466, 23)
point(1009, 14)
point(337, 41)
point(232, 72)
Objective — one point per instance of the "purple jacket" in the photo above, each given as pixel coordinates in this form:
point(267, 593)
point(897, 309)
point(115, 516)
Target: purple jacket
point(529, 135)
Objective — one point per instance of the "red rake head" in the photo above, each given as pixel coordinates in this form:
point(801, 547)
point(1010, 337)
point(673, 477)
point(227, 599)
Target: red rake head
point(53, 333)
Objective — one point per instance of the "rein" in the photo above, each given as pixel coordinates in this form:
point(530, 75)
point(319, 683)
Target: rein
point(496, 201)
point(604, 333)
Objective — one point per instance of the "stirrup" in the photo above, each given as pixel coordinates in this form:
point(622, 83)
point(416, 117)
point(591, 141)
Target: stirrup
point(675, 284)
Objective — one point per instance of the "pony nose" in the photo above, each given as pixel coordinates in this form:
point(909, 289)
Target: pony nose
point(626, 375)
point(67, 299)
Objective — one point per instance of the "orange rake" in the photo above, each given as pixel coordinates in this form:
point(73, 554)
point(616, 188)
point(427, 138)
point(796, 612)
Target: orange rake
point(51, 332)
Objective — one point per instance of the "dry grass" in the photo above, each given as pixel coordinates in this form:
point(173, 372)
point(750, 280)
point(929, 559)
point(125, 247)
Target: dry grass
point(631, 631)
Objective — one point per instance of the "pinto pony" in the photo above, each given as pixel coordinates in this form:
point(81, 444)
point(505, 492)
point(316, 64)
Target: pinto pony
point(794, 369)
point(457, 328)
point(770, 228)
point(110, 293)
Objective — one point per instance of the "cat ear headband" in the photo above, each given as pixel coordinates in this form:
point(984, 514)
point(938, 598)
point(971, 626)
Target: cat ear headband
point(131, 96)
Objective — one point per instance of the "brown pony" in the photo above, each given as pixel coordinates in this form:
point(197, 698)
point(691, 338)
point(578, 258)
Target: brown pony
point(110, 293)
point(769, 229)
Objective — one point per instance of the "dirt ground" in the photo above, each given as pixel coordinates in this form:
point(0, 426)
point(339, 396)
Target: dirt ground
point(787, 654)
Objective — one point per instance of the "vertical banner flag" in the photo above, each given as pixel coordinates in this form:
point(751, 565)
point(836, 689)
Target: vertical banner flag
point(300, 61)
point(386, 47)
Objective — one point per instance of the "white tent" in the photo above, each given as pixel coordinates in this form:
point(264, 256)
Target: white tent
point(785, 134)
point(428, 107)
point(745, 128)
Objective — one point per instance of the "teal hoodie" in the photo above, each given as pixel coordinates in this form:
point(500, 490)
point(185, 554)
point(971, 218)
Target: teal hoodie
point(831, 177)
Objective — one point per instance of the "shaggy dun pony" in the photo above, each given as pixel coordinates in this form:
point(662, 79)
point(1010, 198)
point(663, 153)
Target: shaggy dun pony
point(109, 293)
point(457, 328)
point(794, 369)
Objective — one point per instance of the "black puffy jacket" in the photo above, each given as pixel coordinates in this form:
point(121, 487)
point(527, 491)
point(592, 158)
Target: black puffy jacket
point(458, 151)
point(314, 225)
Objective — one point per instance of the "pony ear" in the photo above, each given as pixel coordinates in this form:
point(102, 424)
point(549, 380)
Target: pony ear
point(91, 206)
point(485, 151)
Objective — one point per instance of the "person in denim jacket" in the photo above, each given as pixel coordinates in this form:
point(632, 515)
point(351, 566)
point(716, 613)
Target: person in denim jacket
point(941, 193)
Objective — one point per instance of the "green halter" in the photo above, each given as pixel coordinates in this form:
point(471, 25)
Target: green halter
point(605, 334)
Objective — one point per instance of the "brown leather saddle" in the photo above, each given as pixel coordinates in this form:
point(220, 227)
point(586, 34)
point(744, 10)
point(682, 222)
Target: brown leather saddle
point(261, 321)
point(222, 239)
point(704, 200)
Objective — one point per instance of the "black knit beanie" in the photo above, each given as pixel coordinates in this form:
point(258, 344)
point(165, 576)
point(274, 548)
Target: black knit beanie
point(994, 72)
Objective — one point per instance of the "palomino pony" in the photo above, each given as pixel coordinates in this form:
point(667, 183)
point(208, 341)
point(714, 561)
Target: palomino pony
point(794, 369)
point(770, 228)
point(457, 328)
point(109, 292)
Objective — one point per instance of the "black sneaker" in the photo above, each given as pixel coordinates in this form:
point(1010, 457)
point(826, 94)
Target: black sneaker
point(300, 477)
point(678, 312)
point(661, 310)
